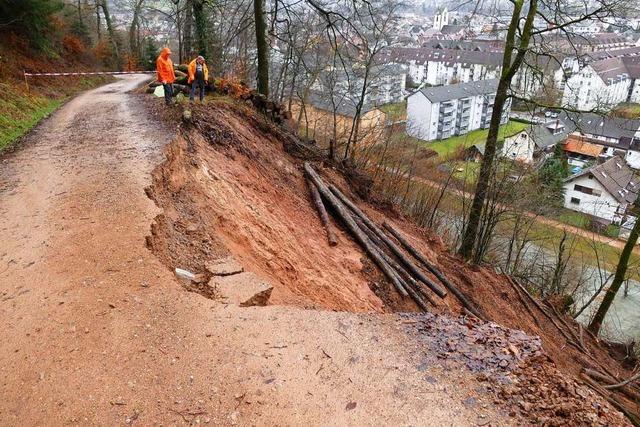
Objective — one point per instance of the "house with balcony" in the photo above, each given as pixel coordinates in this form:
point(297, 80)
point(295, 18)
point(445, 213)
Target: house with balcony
point(603, 84)
point(444, 66)
point(441, 112)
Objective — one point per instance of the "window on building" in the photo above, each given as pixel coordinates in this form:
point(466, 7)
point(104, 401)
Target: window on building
point(575, 201)
point(587, 190)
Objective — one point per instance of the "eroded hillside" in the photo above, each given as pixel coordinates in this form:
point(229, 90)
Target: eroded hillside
point(229, 188)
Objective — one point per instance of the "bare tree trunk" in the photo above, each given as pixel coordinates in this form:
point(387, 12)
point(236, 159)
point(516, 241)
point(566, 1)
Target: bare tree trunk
point(618, 280)
point(79, 7)
point(561, 265)
point(187, 42)
point(355, 126)
point(509, 68)
point(262, 46)
point(98, 23)
point(134, 30)
point(201, 26)
point(293, 80)
point(110, 30)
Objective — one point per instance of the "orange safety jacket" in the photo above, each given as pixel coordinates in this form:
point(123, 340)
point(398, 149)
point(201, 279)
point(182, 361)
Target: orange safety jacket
point(191, 71)
point(164, 67)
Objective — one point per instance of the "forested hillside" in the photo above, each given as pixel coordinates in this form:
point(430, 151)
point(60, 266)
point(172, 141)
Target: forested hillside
point(44, 36)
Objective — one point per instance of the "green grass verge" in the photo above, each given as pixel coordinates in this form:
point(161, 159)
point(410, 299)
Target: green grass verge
point(16, 122)
point(449, 146)
point(21, 111)
point(466, 171)
point(577, 219)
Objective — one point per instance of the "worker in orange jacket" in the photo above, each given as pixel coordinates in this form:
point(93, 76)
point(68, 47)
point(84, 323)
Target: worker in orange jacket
point(166, 74)
point(198, 76)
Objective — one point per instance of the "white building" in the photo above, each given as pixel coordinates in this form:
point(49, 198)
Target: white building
point(386, 84)
point(437, 66)
point(603, 84)
point(440, 19)
point(534, 141)
point(589, 27)
point(444, 111)
point(600, 85)
point(604, 191)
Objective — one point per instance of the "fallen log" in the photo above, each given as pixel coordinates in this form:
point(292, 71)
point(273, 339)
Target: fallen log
point(412, 286)
point(436, 272)
point(358, 234)
point(523, 301)
point(392, 246)
point(180, 88)
point(611, 383)
point(575, 338)
point(606, 394)
point(324, 217)
point(629, 380)
point(417, 255)
point(526, 293)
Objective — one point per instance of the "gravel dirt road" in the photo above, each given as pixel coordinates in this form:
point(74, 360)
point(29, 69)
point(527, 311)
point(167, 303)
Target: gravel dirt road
point(94, 330)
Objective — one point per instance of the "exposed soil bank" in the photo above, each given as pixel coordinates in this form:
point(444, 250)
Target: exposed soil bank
point(228, 187)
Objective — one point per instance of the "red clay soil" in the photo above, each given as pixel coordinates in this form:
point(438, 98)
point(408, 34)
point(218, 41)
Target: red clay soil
point(228, 187)
point(240, 192)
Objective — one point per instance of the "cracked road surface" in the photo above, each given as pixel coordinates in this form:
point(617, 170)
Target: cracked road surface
point(95, 331)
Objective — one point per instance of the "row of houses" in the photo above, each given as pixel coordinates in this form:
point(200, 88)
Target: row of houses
point(444, 66)
point(587, 138)
point(593, 71)
point(604, 154)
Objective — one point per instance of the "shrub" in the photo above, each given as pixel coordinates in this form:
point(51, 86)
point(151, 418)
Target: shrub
point(73, 45)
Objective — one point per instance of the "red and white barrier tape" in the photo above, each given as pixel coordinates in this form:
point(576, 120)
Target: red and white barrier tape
point(89, 73)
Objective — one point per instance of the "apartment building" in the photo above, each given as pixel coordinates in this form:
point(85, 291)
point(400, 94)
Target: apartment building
point(572, 44)
point(385, 83)
point(438, 66)
point(441, 112)
point(603, 84)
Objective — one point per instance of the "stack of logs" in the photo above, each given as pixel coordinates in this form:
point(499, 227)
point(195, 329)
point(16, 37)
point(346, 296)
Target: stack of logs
point(408, 279)
point(180, 85)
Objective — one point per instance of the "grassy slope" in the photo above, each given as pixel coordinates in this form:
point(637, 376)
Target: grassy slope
point(20, 109)
point(449, 146)
point(395, 111)
point(19, 113)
